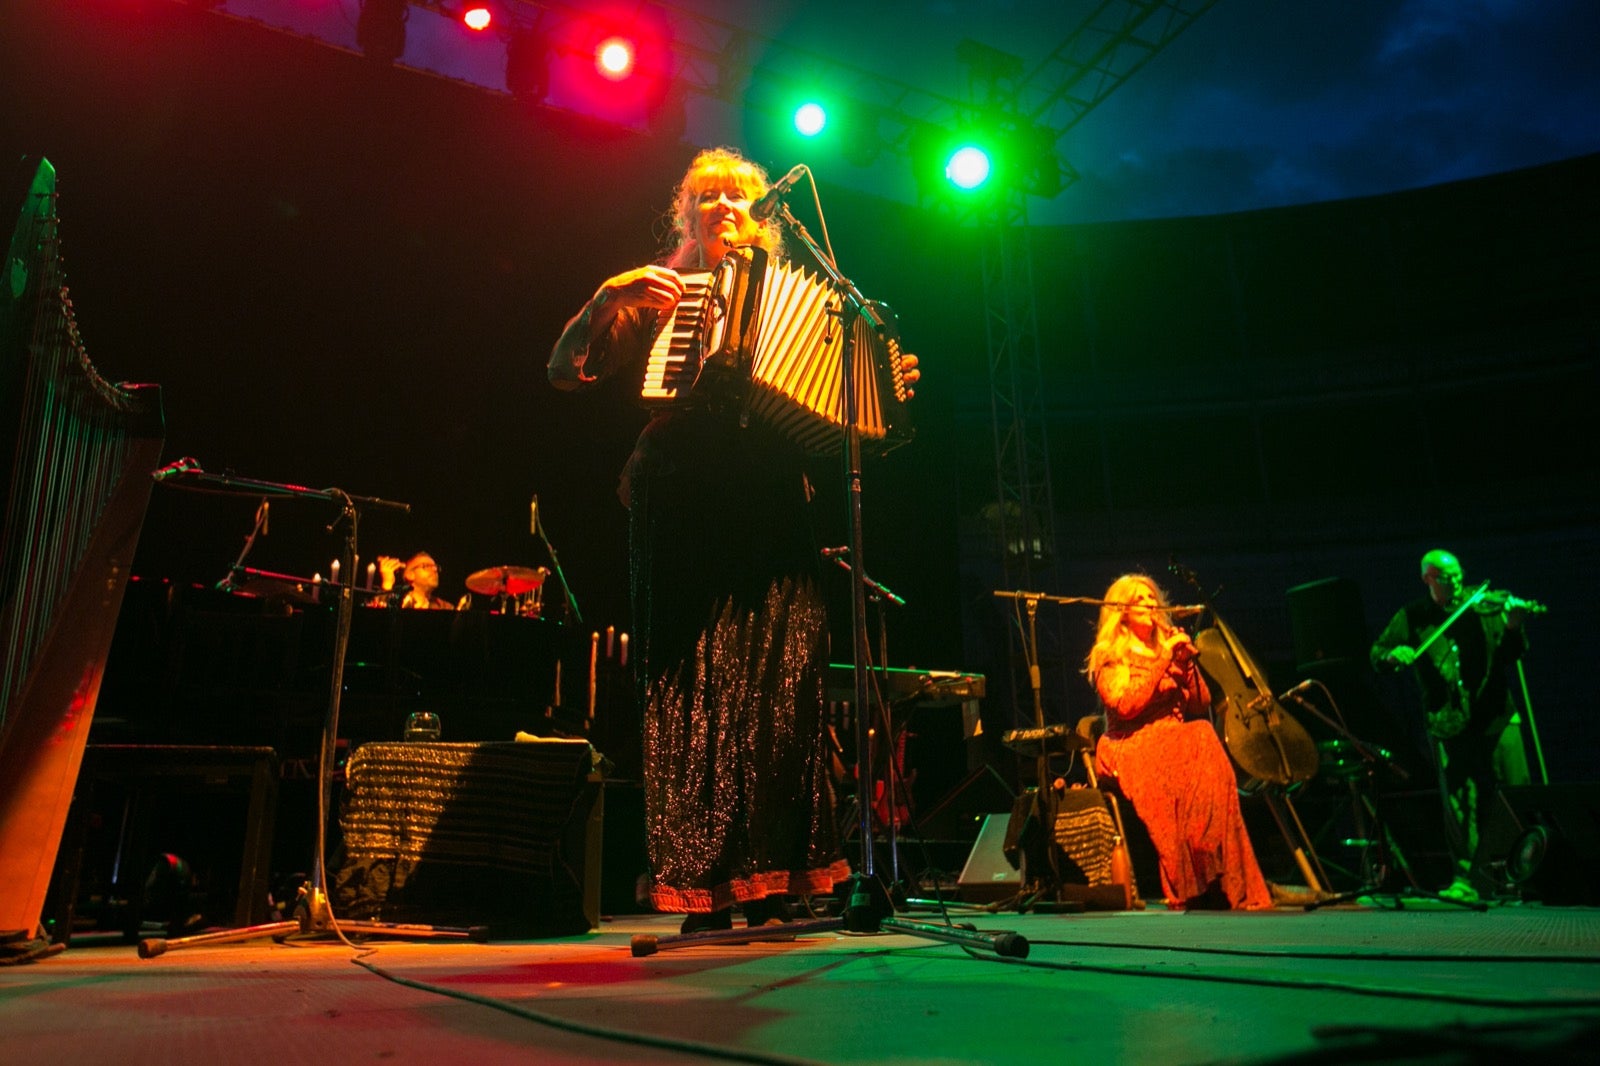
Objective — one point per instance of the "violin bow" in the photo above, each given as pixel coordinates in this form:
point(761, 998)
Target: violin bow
point(1477, 594)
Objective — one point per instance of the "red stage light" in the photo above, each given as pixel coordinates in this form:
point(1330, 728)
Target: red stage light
point(477, 16)
point(613, 58)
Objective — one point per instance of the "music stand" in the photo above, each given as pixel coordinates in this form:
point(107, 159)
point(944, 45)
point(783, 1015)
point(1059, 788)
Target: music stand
point(867, 904)
point(313, 912)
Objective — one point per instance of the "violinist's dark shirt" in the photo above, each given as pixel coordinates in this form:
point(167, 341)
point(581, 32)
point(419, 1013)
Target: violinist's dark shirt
point(1487, 648)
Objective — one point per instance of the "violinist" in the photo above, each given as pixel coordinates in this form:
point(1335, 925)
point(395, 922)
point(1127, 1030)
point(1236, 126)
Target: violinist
point(1160, 746)
point(1461, 644)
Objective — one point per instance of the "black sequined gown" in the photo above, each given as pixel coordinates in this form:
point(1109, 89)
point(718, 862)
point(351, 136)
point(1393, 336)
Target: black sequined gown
point(733, 646)
point(731, 651)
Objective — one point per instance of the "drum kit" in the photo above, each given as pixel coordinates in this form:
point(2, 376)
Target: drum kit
point(518, 590)
point(515, 590)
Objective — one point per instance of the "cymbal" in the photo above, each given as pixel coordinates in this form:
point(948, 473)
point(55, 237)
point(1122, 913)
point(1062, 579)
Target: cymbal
point(506, 580)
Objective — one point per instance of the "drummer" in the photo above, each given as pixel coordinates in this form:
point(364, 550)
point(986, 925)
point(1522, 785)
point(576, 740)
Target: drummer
point(421, 574)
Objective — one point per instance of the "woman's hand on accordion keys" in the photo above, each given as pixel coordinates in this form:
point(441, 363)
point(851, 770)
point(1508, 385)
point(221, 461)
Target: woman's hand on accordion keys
point(646, 286)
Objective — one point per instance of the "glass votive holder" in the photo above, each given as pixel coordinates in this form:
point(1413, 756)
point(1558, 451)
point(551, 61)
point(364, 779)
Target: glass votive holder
point(421, 725)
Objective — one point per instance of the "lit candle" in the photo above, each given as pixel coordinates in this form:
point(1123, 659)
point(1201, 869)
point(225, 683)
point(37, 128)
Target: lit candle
point(611, 632)
point(624, 661)
point(316, 588)
point(594, 657)
point(333, 572)
point(372, 569)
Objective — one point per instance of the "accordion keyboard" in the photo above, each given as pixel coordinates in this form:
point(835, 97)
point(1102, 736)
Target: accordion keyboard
point(675, 353)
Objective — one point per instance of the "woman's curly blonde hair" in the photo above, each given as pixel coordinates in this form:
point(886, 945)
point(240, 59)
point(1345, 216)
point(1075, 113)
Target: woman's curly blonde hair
point(715, 169)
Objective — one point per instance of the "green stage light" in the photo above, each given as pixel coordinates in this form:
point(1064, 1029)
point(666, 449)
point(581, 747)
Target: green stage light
point(968, 167)
point(810, 119)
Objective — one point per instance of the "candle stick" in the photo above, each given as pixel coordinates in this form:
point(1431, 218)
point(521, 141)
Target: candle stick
point(372, 569)
point(333, 571)
point(594, 657)
point(611, 632)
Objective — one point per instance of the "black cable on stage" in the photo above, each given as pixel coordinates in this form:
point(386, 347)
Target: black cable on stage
point(1580, 960)
point(1588, 1003)
point(688, 1047)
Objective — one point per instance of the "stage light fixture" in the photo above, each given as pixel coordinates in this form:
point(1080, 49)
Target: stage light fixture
point(381, 30)
point(614, 57)
point(528, 65)
point(477, 17)
point(810, 119)
point(968, 167)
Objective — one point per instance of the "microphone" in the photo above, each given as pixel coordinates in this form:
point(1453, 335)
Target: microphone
point(834, 553)
point(763, 208)
point(181, 466)
point(1303, 686)
point(533, 515)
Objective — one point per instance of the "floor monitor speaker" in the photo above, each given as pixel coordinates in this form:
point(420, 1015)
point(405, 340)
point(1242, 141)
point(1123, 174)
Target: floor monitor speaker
point(988, 876)
point(1544, 841)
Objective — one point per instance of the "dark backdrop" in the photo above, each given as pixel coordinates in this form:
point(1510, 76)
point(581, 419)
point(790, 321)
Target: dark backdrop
point(347, 276)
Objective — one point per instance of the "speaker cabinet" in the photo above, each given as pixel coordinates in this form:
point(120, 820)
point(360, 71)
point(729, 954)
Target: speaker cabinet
point(1328, 623)
point(988, 876)
point(503, 835)
point(1545, 841)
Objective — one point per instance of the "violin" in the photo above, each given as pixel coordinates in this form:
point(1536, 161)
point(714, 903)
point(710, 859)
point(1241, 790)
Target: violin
point(1494, 601)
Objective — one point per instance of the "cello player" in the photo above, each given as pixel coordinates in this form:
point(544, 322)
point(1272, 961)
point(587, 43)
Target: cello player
point(1474, 731)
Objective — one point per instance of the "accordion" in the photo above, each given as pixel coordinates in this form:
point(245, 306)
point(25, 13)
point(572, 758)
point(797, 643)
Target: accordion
point(762, 341)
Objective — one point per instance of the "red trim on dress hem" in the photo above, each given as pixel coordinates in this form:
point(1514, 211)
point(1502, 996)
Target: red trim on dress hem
point(759, 886)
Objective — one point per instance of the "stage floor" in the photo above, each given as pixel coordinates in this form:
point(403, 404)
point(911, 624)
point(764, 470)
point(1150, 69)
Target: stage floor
point(1340, 984)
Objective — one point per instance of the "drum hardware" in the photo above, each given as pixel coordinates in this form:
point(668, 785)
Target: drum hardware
point(506, 580)
point(517, 589)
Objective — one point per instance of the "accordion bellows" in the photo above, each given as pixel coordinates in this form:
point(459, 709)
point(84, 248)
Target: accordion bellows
point(762, 341)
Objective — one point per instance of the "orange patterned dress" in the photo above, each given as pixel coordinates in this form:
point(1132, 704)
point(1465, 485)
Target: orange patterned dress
point(1167, 760)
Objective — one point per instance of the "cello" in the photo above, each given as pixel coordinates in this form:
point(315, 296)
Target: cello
point(1266, 742)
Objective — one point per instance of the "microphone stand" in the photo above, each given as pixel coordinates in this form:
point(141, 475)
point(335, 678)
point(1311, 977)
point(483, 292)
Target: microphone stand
point(555, 560)
point(868, 904)
point(314, 914)
point(1044, 794)
point(894, 784)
